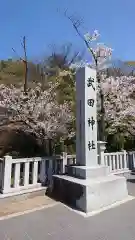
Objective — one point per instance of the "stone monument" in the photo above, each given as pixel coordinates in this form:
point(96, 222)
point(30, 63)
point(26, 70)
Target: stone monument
point(87, 185)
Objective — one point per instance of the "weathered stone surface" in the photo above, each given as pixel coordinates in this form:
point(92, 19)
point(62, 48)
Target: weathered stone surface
point(91, 194)
point(102, 193)
point(66, 191)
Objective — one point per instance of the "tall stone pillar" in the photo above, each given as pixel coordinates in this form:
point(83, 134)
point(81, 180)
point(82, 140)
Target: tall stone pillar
point(88, 185)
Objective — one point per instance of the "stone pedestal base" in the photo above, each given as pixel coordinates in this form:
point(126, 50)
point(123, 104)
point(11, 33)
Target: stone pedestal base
point(83, 172)
point(91, 194)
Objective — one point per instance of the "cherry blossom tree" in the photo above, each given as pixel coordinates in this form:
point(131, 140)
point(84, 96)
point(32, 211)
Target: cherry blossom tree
point(99, 51)
point(38, 111)
point(119, 102)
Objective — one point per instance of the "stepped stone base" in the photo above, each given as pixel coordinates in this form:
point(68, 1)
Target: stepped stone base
point(90, 194)
point(83, 172)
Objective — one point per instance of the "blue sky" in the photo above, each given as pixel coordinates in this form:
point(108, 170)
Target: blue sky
point(43, 26)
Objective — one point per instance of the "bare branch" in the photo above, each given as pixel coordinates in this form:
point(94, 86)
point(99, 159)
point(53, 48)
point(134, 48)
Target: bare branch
point(74, 58)
point(76, 23)
point(25, 64)
point(17, 54)
point(24, 60)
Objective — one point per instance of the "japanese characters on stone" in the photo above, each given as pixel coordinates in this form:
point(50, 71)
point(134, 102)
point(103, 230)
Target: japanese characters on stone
point(91, 145)
point(90, 102)
point(90, 83)
point(91, 120)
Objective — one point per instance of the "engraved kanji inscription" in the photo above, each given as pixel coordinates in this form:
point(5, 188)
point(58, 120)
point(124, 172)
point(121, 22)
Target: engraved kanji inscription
point(90, 83)
point(91, 145)
point(90, 102)
point(91, 122)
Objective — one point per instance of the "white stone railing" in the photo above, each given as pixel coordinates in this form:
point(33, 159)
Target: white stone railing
point(117, 162)
point(24, 174)
point(28, 173)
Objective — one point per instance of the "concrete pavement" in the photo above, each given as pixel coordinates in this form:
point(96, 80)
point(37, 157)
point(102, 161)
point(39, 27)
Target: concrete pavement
point(60, 223)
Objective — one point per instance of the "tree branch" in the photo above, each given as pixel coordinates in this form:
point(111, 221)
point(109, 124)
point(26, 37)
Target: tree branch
point(25, 64)
point(76, 24)
point(24, 60)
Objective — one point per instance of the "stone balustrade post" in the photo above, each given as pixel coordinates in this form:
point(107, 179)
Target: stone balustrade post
point(43, 172)
point(101, 149)
point(131, 160)
point(125, 160)
point(6, 184)
point(64, 162)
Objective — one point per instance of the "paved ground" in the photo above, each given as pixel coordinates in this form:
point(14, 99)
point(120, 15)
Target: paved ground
point(59, 223)
point(17, 206)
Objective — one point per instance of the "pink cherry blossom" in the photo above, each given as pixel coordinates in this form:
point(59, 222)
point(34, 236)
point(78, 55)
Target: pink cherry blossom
point(119, 102)
point(38, 110)
point(100, 52)
point(92, 37)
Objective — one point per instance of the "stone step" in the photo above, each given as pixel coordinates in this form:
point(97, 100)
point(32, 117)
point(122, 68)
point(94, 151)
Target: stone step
point(83, 172)
point(85, 182)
